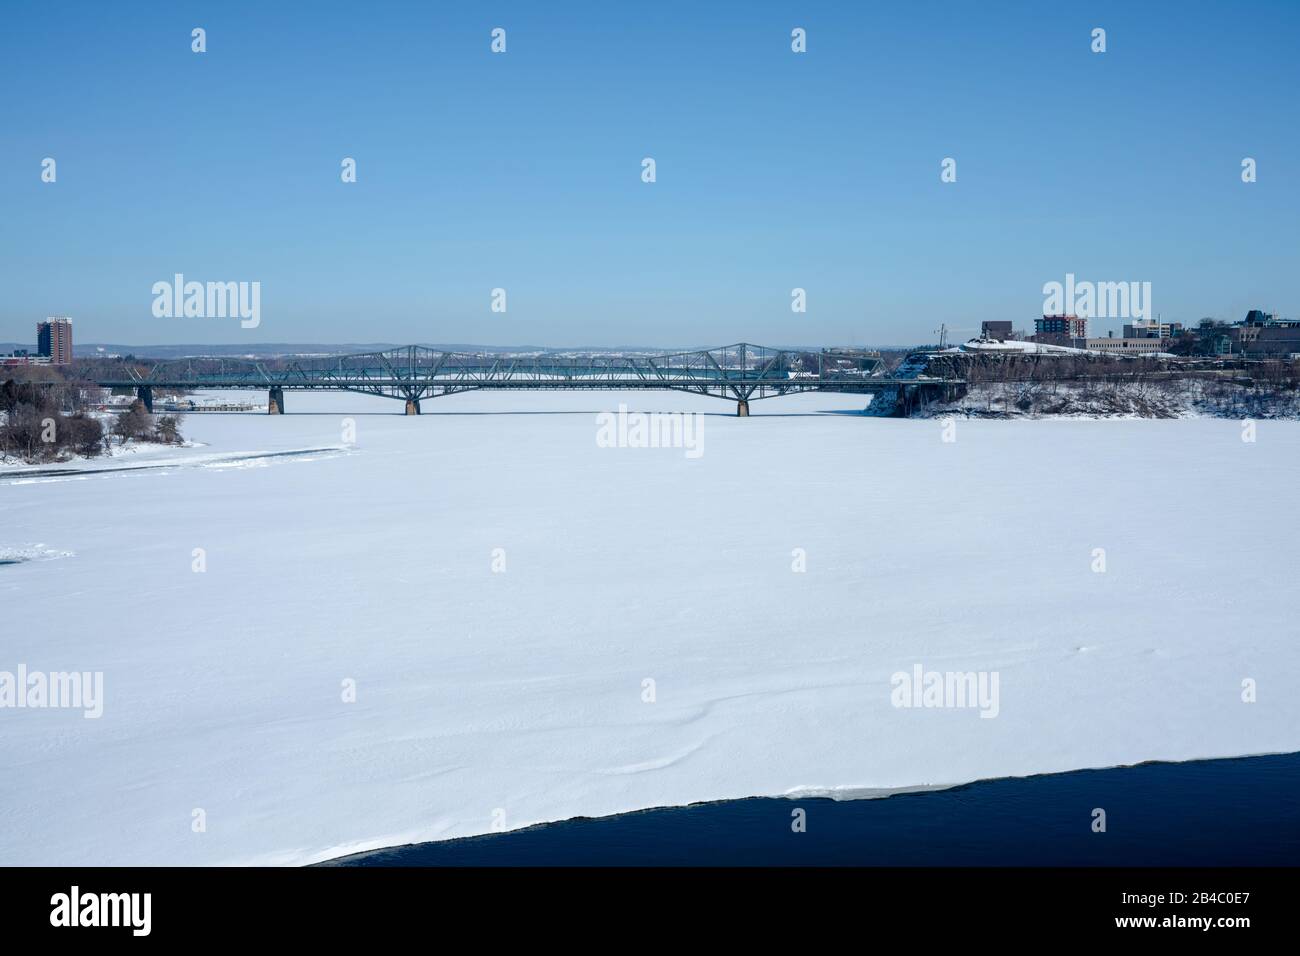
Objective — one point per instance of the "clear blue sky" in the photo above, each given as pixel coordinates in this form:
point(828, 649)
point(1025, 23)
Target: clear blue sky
point(522, 170)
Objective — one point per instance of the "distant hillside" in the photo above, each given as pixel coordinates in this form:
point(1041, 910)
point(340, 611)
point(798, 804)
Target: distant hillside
point(257, 350)
point(280, 349)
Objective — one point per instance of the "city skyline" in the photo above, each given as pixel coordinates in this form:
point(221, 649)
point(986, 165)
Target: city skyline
point(775, 171)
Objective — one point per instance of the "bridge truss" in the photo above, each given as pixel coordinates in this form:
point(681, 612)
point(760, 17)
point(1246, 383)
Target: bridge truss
point(739, 372)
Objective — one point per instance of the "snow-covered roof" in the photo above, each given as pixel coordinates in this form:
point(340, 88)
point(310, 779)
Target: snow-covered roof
point(1031, 348)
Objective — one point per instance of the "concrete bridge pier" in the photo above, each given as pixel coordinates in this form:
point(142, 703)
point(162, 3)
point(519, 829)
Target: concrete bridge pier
point(412, 406)
point(145, 394)
point(275, 401)
point(742, 408)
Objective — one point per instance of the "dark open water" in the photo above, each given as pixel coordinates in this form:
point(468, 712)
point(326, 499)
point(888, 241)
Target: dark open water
point(1238, 812)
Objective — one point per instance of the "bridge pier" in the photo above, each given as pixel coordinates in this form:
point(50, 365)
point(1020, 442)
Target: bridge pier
point(275, 401)
point(145, 394)
point(742, 408)
point(412, 406)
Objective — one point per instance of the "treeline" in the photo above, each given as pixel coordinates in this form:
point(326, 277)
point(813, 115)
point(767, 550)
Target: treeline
point(49, 422)
point(136, 424)
point(37, 428)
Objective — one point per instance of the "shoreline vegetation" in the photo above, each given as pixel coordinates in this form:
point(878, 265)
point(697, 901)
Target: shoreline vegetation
point(50, 421)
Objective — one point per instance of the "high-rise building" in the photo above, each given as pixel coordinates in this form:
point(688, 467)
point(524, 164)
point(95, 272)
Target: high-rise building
point(54, 339)
point(1070, 326)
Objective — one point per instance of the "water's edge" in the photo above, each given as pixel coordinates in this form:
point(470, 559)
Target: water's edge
point(1216, 812)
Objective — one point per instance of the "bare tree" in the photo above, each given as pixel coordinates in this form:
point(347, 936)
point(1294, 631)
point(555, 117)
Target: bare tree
point(135, 422)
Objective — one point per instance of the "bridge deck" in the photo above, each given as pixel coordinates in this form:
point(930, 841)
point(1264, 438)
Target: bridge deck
point(741, 371)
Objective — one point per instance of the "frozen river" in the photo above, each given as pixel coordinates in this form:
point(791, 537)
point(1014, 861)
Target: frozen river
point(480, 618)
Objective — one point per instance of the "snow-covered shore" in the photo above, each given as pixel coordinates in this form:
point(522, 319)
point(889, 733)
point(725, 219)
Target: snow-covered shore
point(122, 456)
point(499, 589)
point(1188, 398)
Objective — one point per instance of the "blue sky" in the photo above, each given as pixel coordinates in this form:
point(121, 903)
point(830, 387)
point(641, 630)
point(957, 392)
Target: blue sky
point(522, 171)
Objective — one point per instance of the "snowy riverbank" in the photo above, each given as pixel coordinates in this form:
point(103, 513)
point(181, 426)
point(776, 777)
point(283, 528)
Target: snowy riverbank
point(1188, 398)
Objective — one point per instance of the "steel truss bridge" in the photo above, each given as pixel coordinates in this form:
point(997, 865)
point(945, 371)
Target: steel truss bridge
point(412, 373)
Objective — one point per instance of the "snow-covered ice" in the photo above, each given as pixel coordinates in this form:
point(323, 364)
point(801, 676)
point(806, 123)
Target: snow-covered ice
point(518, 696)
